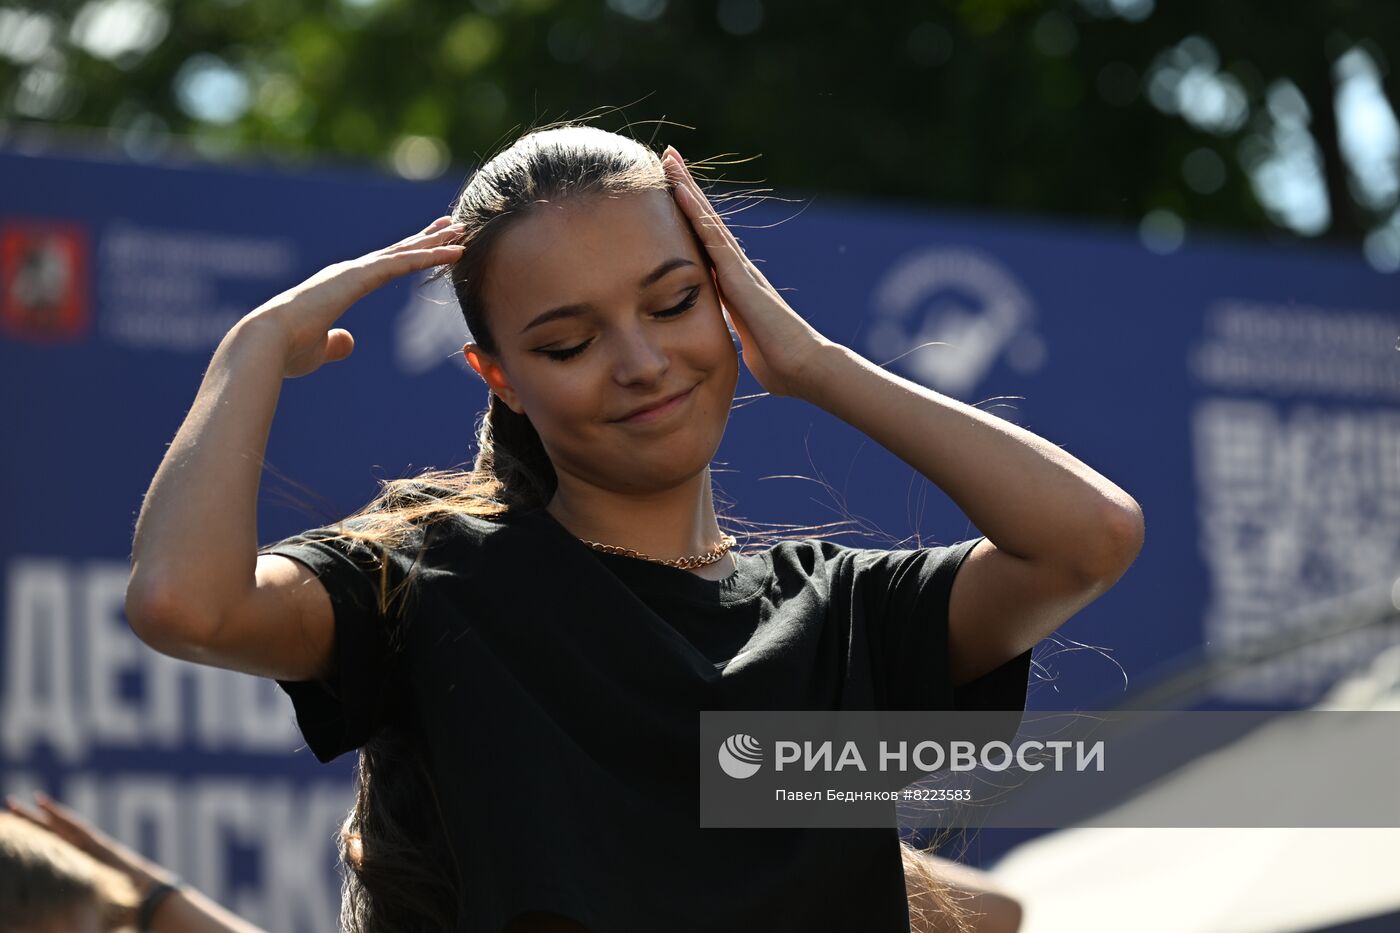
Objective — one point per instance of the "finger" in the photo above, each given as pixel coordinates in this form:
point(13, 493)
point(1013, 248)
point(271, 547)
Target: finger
point(46, 820)
point(443, 236)
point(438, 224)
point(415, 255)
point(23, 812)
point(340, 343)
point(702, 212)
point(692, 201)
point(435, 234)
point(678, 170)
point(436, 227)
point(67, 820)
point(426, 256)
point(383, 268)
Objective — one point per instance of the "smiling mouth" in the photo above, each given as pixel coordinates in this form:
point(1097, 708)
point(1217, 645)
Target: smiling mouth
point(656, 411)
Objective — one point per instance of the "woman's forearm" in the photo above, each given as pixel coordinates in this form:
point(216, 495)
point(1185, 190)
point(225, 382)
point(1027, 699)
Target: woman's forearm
point(1029, 497)
point(196, 535)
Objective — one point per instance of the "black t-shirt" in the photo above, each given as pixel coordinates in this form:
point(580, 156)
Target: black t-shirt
point(557, 690)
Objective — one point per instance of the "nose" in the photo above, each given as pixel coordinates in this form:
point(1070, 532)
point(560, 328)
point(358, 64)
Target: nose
point(640, 356)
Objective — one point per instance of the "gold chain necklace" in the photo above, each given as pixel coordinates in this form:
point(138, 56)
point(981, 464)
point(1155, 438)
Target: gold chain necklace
point(684, 563)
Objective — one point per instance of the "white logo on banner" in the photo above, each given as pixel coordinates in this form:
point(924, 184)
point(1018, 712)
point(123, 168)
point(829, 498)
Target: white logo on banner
point(740, 756)
point(429, 330)
point(965, 309)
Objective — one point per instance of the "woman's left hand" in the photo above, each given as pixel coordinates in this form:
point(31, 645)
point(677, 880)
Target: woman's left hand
point(779, 347)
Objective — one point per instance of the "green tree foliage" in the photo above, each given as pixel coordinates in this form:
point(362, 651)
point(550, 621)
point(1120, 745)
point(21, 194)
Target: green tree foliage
point(1216, 115)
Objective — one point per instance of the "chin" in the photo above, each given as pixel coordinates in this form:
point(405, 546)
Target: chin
point(669, 463)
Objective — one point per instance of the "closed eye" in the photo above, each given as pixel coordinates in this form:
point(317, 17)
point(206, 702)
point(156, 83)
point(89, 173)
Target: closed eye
point(570, 352)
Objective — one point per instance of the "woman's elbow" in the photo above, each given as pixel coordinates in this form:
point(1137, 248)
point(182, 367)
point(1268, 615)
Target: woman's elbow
point(162, 625)
point(1119, 544)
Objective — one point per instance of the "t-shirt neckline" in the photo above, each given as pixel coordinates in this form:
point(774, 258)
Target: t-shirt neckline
point(751, 572)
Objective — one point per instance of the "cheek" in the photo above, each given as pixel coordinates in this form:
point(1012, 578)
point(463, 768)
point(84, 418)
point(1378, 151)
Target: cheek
point(552, 393)
point(566, 396)
point(716, 331)
point(721, 359)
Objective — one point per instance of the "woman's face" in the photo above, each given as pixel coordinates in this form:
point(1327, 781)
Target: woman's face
point(641, 322)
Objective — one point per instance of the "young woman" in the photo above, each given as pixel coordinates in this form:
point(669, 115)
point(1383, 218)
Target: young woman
point(520, 652)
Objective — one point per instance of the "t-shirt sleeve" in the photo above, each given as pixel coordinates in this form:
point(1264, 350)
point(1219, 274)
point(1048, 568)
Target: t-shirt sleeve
point(346, 708)
point(906, 595)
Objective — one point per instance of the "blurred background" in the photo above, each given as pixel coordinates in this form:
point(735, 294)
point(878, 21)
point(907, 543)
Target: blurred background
point(1273, 119)
point(1162, 236)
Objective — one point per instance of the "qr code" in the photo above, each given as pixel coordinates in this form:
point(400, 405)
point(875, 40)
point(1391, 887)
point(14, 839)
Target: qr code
point(1297, 507)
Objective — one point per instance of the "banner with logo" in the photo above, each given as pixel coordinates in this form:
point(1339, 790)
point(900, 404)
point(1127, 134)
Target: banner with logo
point(1247, 395)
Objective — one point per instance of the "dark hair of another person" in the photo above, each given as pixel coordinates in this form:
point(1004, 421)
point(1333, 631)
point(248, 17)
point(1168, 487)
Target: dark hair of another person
point(44, 879)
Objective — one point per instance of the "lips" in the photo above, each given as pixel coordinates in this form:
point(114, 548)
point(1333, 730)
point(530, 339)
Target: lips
point(655, 406)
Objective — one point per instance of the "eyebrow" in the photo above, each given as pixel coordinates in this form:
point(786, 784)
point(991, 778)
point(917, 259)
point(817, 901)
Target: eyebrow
point(574, 310)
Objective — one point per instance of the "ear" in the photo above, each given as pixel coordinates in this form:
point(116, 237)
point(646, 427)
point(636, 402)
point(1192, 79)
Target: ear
point(494, 376)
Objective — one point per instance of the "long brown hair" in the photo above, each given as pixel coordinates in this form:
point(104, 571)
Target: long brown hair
point(401, 874)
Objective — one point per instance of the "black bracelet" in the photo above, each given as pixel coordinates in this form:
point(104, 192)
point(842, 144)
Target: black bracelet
point(152, 900)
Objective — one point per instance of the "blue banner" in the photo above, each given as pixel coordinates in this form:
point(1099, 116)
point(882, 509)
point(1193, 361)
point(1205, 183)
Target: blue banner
point(1247, 395)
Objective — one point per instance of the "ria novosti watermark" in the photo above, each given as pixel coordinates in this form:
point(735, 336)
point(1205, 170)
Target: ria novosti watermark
point(741, 756)
point(764, 768)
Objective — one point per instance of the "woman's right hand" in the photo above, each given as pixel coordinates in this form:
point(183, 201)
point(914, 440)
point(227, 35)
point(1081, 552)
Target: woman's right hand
point(304, 314)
